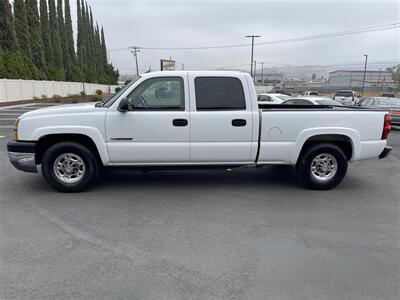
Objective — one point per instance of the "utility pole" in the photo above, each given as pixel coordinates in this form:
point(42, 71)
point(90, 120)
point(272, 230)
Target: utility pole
point(252, 51)
point(365, 71)
point(262, 73)
point(379, 81)
point(183, 66)
point(255, 71)
point(134, 51)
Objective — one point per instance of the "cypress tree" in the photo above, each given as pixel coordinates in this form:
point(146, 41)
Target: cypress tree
point(103, 48)
point(69, 32)
point(79, 34)
point(85, 43)
point(87, 37)
point(35, 34)
point(83, 34)
point(21, 28)
point(98, 51)
point(61, 33)
point(8, 36)
point(55, 38)
point(92, 44)
point(44, 22)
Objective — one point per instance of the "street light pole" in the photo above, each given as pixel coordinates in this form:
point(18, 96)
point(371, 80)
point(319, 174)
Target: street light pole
point(365, 71)
point(252, 51)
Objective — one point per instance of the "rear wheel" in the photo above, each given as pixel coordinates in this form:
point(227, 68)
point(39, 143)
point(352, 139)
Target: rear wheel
point(322, 166)
point(70, 167)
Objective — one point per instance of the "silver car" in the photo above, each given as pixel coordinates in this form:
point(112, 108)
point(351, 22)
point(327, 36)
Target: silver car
point(391, 104)
point(310, 100)
point(272, 98)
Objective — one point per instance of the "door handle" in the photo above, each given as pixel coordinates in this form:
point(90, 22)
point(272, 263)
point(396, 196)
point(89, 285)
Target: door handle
point(239, 123)
point(180, 122)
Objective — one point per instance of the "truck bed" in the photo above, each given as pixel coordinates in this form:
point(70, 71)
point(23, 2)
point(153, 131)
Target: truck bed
point(285, 129)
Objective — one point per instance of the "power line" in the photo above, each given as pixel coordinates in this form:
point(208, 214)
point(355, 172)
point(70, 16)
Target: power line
point(299, 39)
point(383, 63)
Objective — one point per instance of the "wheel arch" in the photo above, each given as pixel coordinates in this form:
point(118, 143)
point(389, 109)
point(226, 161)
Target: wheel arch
point(44, 142)
point(347, 139)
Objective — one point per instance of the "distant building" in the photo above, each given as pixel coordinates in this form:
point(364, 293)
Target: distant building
point(294, 83)
point(270, 79)
point(354, 78)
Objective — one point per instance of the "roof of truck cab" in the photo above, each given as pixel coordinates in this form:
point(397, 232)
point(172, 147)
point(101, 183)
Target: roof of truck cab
point(200, 73)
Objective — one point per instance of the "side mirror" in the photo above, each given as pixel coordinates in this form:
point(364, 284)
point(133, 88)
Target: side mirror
point(123, 105)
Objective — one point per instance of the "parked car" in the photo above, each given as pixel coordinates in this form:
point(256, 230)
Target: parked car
point(212, 121)
point(272, 98)
point(311, 93)
point(283, 92)
point(390, 104)
point(388, 95)
point(346, 97)
point(163, 92)
point(312, 101)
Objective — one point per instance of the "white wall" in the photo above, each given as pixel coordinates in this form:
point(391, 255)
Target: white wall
point(15, 89)
point(263, 89)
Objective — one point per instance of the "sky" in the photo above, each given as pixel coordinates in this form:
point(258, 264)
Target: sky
point(192, 23)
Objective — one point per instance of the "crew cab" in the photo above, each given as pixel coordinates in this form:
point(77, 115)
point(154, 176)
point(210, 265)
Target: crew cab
point(210, 119)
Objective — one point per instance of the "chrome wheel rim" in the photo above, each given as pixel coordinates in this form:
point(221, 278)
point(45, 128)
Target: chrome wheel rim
point(324, 167)
point(69, 168)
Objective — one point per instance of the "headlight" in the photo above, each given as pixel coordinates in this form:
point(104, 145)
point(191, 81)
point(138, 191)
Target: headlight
point(16, 129)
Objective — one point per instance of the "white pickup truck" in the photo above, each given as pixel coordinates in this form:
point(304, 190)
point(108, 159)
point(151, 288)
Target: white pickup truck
point(178, 120)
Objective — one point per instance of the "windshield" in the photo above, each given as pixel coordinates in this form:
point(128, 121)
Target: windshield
point(111, 100)
point(395, 102)
point(385, 101)
point(283, 97)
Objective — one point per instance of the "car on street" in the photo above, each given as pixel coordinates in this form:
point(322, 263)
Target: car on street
point(388, 95)
point(284, 92)
point(346, 97)
point(212, 120)
point(163, 92)
point(390, 104)
point(272, 98)
point(311, 93)
point(312, 100)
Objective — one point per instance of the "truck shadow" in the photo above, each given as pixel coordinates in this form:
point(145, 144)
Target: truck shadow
point(267, 176)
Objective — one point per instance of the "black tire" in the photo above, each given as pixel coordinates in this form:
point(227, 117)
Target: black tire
point(305, 161)
point(91, 165)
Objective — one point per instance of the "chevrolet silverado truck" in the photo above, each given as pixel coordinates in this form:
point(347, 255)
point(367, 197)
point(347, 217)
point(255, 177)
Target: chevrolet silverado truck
point(209, 120)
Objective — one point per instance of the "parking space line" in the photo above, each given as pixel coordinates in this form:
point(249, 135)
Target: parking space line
point(2, 136)
point(6, 126)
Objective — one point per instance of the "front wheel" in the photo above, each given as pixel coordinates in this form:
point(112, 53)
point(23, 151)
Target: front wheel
point(322, 166)
point(69, 167)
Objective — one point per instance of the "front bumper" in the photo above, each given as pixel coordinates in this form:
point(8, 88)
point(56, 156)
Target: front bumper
point(386, 152)
point(22, 155)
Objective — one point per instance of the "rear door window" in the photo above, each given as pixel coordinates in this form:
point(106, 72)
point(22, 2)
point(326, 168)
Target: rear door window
point(219, 93)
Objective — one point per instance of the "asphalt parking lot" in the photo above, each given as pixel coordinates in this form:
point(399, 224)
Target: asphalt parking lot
point(246, 234)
